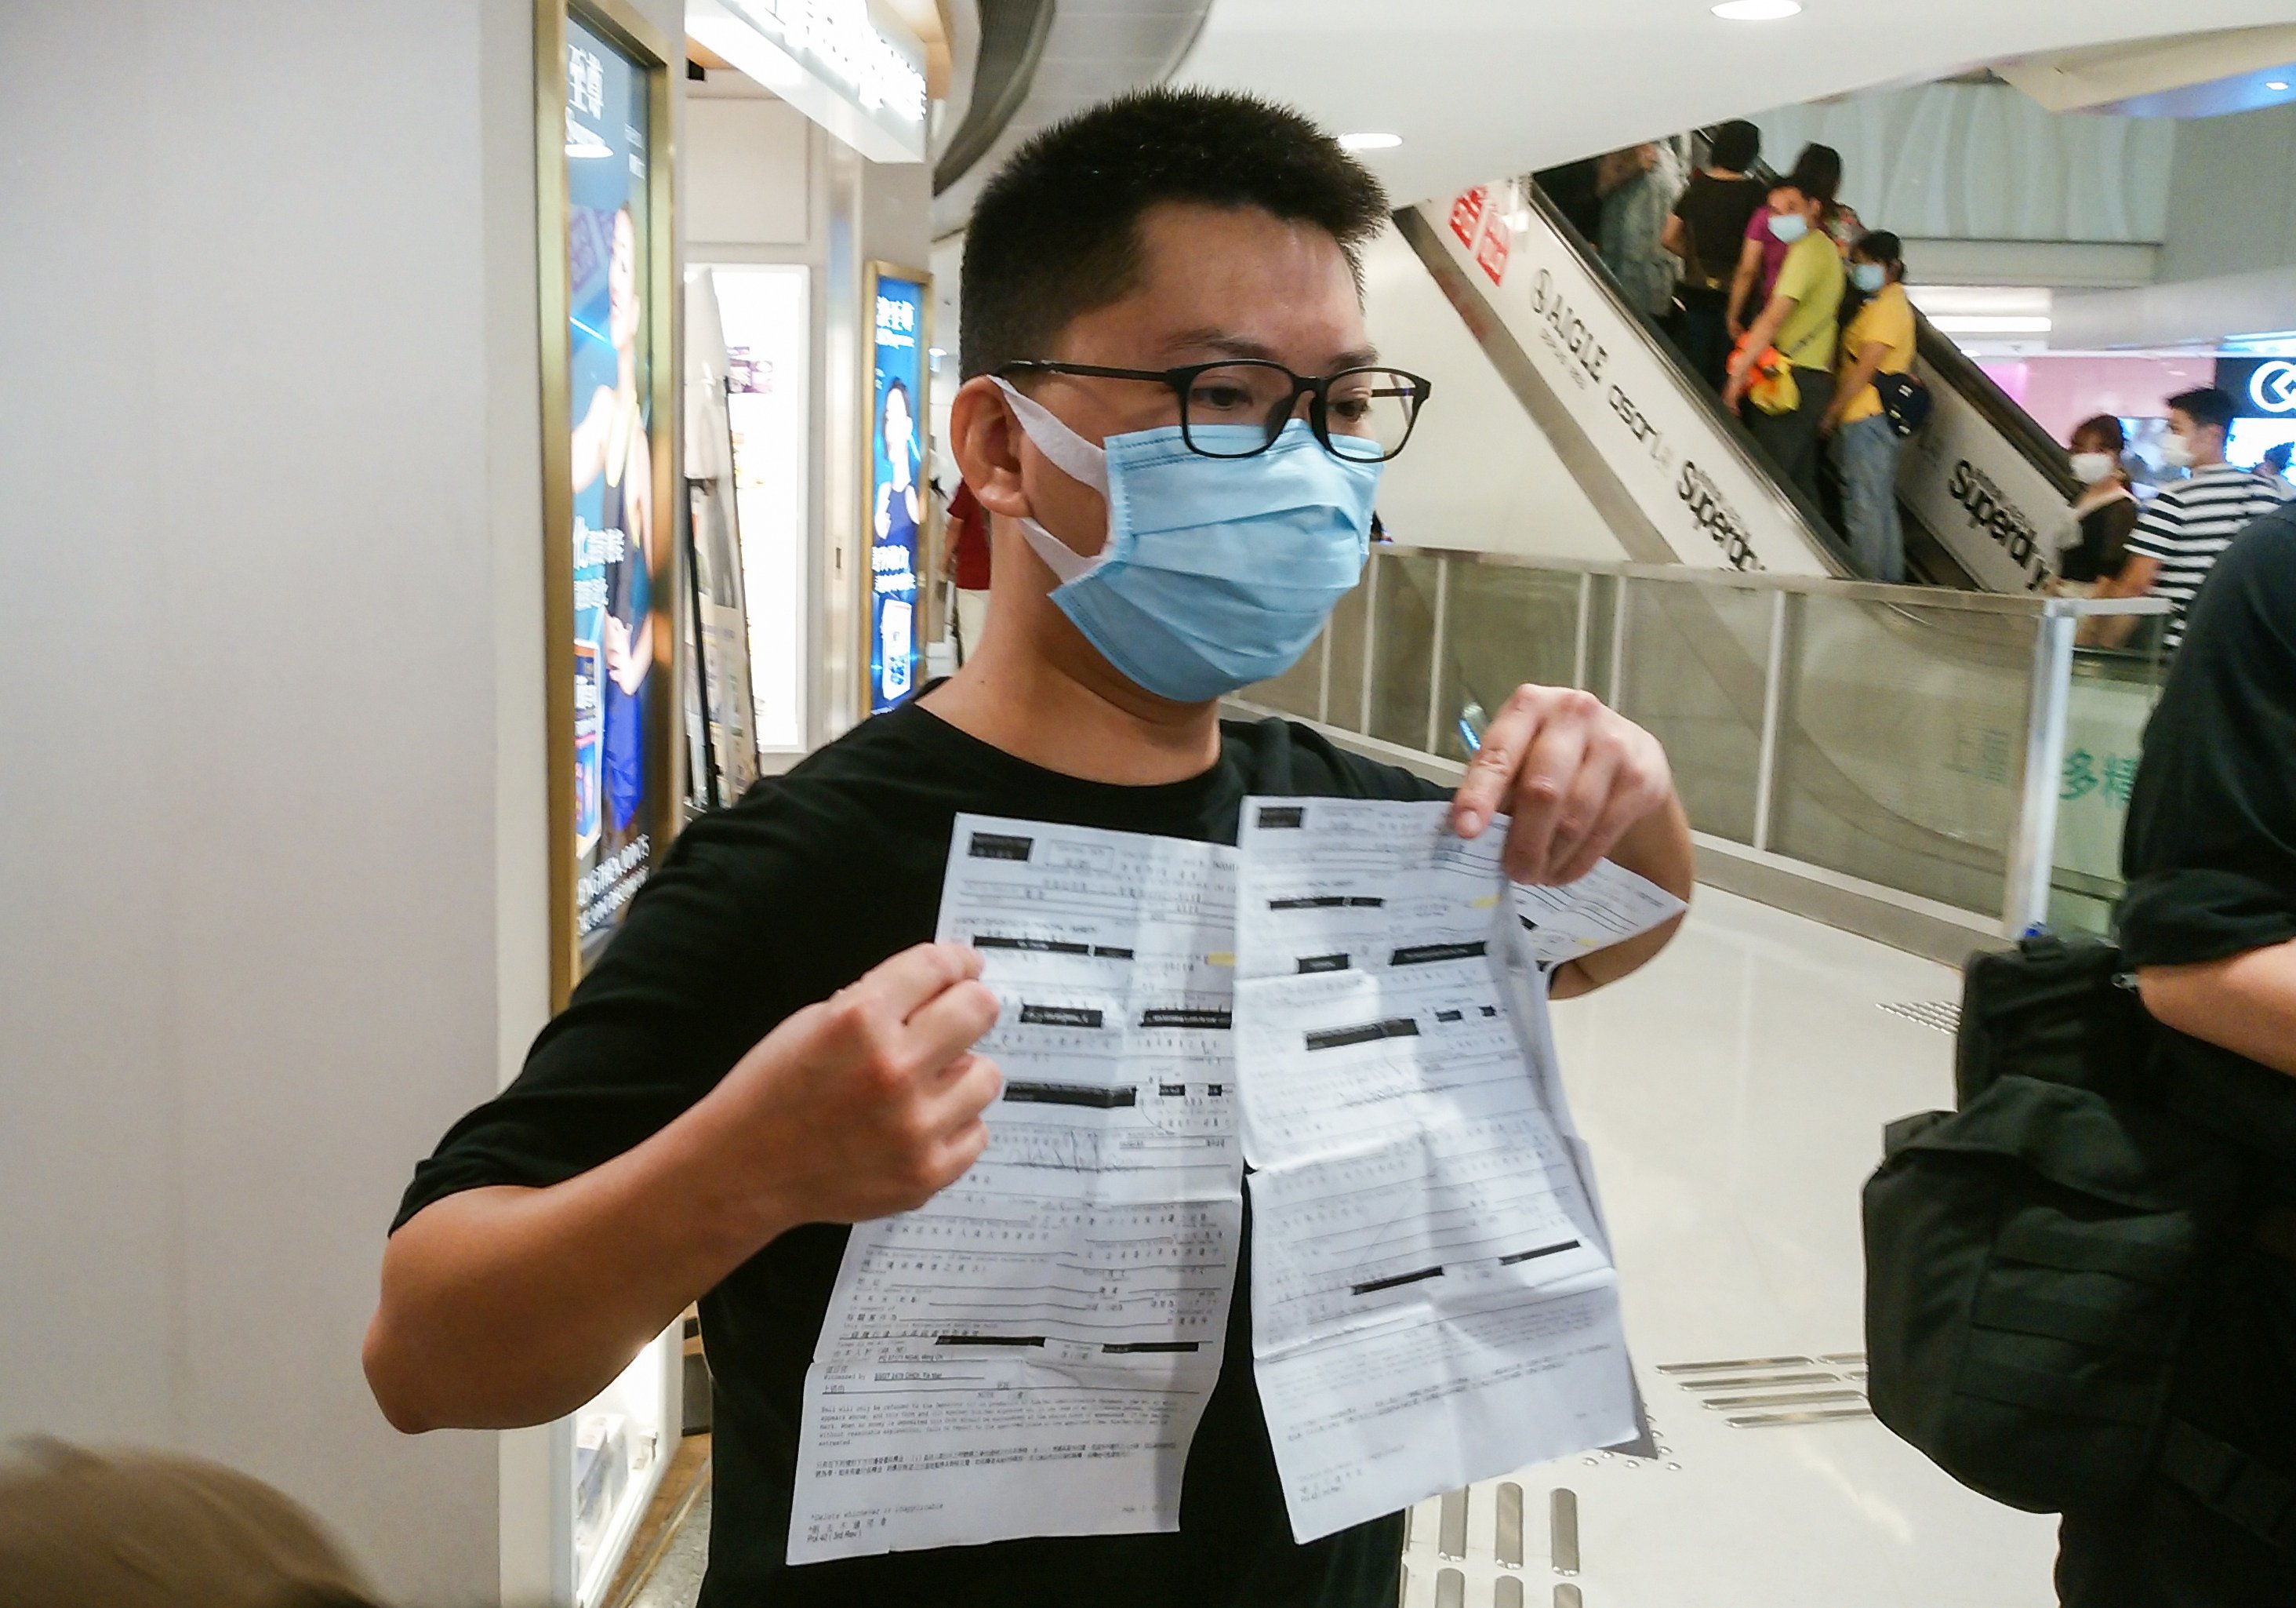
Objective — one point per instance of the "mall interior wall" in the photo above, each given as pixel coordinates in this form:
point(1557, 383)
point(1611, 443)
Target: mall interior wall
point(275, 755)
point(2232, 200)
point(765, 185)
point(1479, 474)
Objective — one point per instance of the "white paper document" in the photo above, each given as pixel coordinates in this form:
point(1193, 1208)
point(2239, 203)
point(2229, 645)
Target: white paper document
point(1433, 1300)
point(1029, 1354)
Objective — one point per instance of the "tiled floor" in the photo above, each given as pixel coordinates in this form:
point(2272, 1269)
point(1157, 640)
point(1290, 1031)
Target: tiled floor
point(1734, 1094)
point(676, 1580)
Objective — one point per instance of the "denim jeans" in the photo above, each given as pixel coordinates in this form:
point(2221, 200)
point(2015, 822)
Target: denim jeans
point(1867, 455)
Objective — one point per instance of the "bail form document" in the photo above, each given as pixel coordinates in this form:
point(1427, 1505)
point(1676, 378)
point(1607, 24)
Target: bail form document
point(1029, 1354)
point(1432, 1302)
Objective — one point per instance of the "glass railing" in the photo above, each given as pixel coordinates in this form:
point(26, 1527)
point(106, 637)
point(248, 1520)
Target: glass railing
point(1945, 750)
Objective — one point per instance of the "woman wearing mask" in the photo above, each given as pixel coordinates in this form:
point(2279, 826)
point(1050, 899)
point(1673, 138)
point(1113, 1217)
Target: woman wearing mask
point(2094, 532)
point(1879, 341)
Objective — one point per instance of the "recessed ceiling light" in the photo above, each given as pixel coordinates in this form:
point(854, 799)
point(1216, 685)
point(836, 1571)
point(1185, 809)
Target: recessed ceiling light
point(1757, 11)
point(2275, 85)
point(1370, 142)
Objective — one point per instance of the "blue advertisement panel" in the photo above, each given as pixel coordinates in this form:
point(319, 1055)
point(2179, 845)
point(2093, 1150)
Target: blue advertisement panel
point(896, 497)
point(622, 542)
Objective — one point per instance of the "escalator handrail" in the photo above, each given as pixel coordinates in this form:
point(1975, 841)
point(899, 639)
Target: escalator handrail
point(1726, 424)
point(2047, 455)
point(1928, 598)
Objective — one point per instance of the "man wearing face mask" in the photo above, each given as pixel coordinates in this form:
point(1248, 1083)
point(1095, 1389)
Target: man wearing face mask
point(1801, 323)
point(2180, 536)
point(1175, 417)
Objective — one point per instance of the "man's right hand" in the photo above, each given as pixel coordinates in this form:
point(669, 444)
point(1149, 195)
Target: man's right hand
point(869, 1103)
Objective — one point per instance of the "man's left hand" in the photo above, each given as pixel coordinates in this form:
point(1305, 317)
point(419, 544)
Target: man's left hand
point(1573, 775)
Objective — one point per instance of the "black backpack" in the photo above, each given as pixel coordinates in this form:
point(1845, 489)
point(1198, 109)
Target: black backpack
point(2032, 1257)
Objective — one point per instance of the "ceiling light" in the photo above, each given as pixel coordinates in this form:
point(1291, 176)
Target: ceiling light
point(1757, 11)
point(2275, 85)
point(1370, 142)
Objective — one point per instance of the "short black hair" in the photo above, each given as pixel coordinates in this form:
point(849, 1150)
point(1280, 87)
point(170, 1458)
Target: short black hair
point(1879, 245)
point(1734, 145)
point(1056, 231)
point(2205, 405)
point(1817, 173)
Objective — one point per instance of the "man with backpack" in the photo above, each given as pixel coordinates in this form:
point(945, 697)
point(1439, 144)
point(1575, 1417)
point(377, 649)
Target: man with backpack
point(2081, 1283)
point(2210, 925)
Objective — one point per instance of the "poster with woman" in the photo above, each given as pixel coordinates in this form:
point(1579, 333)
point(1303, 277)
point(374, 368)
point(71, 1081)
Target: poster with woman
point(897, 511)
point(622, 541)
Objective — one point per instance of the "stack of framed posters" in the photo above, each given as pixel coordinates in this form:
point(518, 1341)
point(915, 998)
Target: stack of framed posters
point(898, 515)
point(610, 470)
point(762, 321)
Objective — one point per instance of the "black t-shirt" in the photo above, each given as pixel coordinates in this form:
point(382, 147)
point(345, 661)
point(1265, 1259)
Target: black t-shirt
point(2211, 859)
point(1714, 213)
point(2102, 551)
point(807, 882)
point(2211, 850)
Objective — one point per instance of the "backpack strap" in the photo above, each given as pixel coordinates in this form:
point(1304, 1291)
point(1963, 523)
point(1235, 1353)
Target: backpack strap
point(2229, 1482)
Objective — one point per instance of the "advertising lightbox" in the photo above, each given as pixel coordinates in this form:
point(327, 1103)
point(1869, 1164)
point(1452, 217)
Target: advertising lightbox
point(898, 508)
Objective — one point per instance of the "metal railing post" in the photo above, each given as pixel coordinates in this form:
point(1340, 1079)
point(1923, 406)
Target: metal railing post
point(1370, 640)
point(1586, 627)
point(2032, 853)
point(1773, 681)
point(1615, 694)
point(1435, 652)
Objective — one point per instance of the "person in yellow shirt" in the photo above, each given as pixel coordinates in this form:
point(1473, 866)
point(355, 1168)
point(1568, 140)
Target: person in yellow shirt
point(1800, 321)
point(1879, 341)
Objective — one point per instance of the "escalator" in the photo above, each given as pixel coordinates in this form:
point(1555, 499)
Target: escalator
point(1674, 476)
point(1675, 479)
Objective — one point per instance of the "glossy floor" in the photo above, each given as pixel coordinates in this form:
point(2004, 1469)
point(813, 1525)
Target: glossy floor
point(1733, 1095)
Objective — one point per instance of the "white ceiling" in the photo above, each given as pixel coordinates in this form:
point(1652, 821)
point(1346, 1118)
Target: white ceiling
point(1482, 88)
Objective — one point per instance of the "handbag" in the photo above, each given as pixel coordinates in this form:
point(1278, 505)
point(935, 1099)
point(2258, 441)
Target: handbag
point(1905, 401)
point(1770, 382)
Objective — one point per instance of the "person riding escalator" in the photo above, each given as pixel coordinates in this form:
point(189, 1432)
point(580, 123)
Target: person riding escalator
point(1786, 359)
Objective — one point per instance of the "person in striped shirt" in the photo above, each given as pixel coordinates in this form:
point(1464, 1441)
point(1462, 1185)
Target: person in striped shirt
point(2190, 524)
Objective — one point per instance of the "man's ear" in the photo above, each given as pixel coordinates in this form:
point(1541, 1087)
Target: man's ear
point(985, 439)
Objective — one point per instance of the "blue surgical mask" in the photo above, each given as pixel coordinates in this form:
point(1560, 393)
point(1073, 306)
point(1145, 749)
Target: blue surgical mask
point(1869, 276)
point(1787, 227)
point(1218, 572)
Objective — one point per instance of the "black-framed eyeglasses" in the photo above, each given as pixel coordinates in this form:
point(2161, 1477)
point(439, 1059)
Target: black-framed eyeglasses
point(1237, 408)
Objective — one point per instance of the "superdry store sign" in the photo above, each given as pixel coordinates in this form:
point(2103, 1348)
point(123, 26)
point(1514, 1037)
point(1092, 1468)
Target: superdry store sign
point(1706, 501)
point(1977, 494)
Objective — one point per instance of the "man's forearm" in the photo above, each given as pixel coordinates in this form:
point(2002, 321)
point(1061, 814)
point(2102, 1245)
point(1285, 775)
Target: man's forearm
point(507, 1307)
point(1657, 847)
point(2246, 1004)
